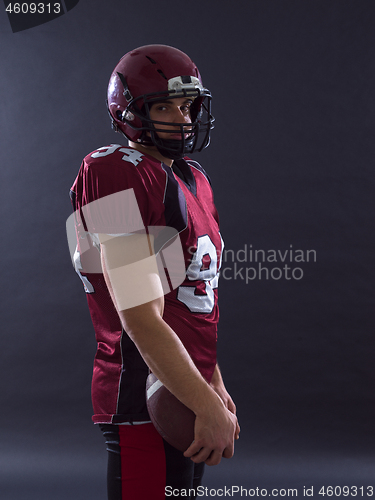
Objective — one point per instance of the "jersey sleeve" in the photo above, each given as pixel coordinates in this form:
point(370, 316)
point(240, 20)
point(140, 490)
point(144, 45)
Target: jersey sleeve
point(115, 198)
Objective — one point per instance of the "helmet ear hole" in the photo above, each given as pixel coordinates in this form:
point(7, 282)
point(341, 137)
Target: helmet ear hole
point(119, 115)
point(196, 110)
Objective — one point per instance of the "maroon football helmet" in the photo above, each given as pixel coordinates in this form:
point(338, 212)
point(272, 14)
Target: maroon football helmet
point(155, 73)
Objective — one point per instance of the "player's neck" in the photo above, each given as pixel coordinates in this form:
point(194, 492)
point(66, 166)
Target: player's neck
point(152, 151)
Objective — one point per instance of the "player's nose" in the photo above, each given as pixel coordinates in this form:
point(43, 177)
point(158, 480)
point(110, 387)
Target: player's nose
point(179, 116)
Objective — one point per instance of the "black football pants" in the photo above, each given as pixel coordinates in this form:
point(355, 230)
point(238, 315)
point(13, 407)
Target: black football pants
point(142, 466)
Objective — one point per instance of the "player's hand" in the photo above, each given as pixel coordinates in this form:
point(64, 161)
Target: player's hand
point(214, 435)
point(228, 402)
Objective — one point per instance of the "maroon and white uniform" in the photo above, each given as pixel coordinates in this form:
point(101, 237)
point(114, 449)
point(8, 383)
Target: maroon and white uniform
point(181, 198)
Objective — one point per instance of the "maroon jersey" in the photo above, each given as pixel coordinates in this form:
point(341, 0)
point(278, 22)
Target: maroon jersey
point(181, 198)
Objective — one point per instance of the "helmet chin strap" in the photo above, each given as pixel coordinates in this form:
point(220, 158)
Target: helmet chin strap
point(169, 148)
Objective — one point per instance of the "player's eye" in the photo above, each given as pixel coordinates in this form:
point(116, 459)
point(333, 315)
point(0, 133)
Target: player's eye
point(185, 109)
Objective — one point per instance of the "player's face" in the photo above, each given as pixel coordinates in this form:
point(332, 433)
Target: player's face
point(175, 110)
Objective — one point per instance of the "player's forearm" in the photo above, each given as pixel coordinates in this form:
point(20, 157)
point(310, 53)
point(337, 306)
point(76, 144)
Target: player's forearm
point(167, 357)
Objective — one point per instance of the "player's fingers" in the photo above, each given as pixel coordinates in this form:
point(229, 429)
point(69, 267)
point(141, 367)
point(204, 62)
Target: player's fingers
point(193, 449)
point(214, 458)
point(204, 454)
point(238, 430)
point(231, 406)
point(229, 451)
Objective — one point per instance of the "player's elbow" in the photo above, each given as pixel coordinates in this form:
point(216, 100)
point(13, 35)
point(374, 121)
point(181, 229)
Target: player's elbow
point(139, 320)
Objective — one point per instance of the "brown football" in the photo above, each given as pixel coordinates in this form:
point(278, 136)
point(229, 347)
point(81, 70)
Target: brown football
point(172, 419)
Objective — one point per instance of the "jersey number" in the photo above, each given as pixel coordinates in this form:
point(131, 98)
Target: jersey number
point(131, 155)
point(203, 268)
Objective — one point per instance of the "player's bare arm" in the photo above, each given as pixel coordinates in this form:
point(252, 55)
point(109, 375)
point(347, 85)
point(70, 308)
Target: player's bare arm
point(168, 359)
point(166, 356)
point(217, 384)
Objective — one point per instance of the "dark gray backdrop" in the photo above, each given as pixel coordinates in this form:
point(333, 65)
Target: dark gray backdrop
point(291, 161)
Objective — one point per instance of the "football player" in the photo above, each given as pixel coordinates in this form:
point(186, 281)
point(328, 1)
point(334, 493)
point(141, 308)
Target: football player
point(123, 196)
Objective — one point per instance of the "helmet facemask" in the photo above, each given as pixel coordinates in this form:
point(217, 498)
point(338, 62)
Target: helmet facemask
point(198, 130)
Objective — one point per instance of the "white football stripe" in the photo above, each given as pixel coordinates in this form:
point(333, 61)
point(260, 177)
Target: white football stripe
point(153, 388)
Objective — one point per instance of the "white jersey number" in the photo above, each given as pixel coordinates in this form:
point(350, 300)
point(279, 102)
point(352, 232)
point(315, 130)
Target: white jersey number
point(131, 155)
point(201, 270)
